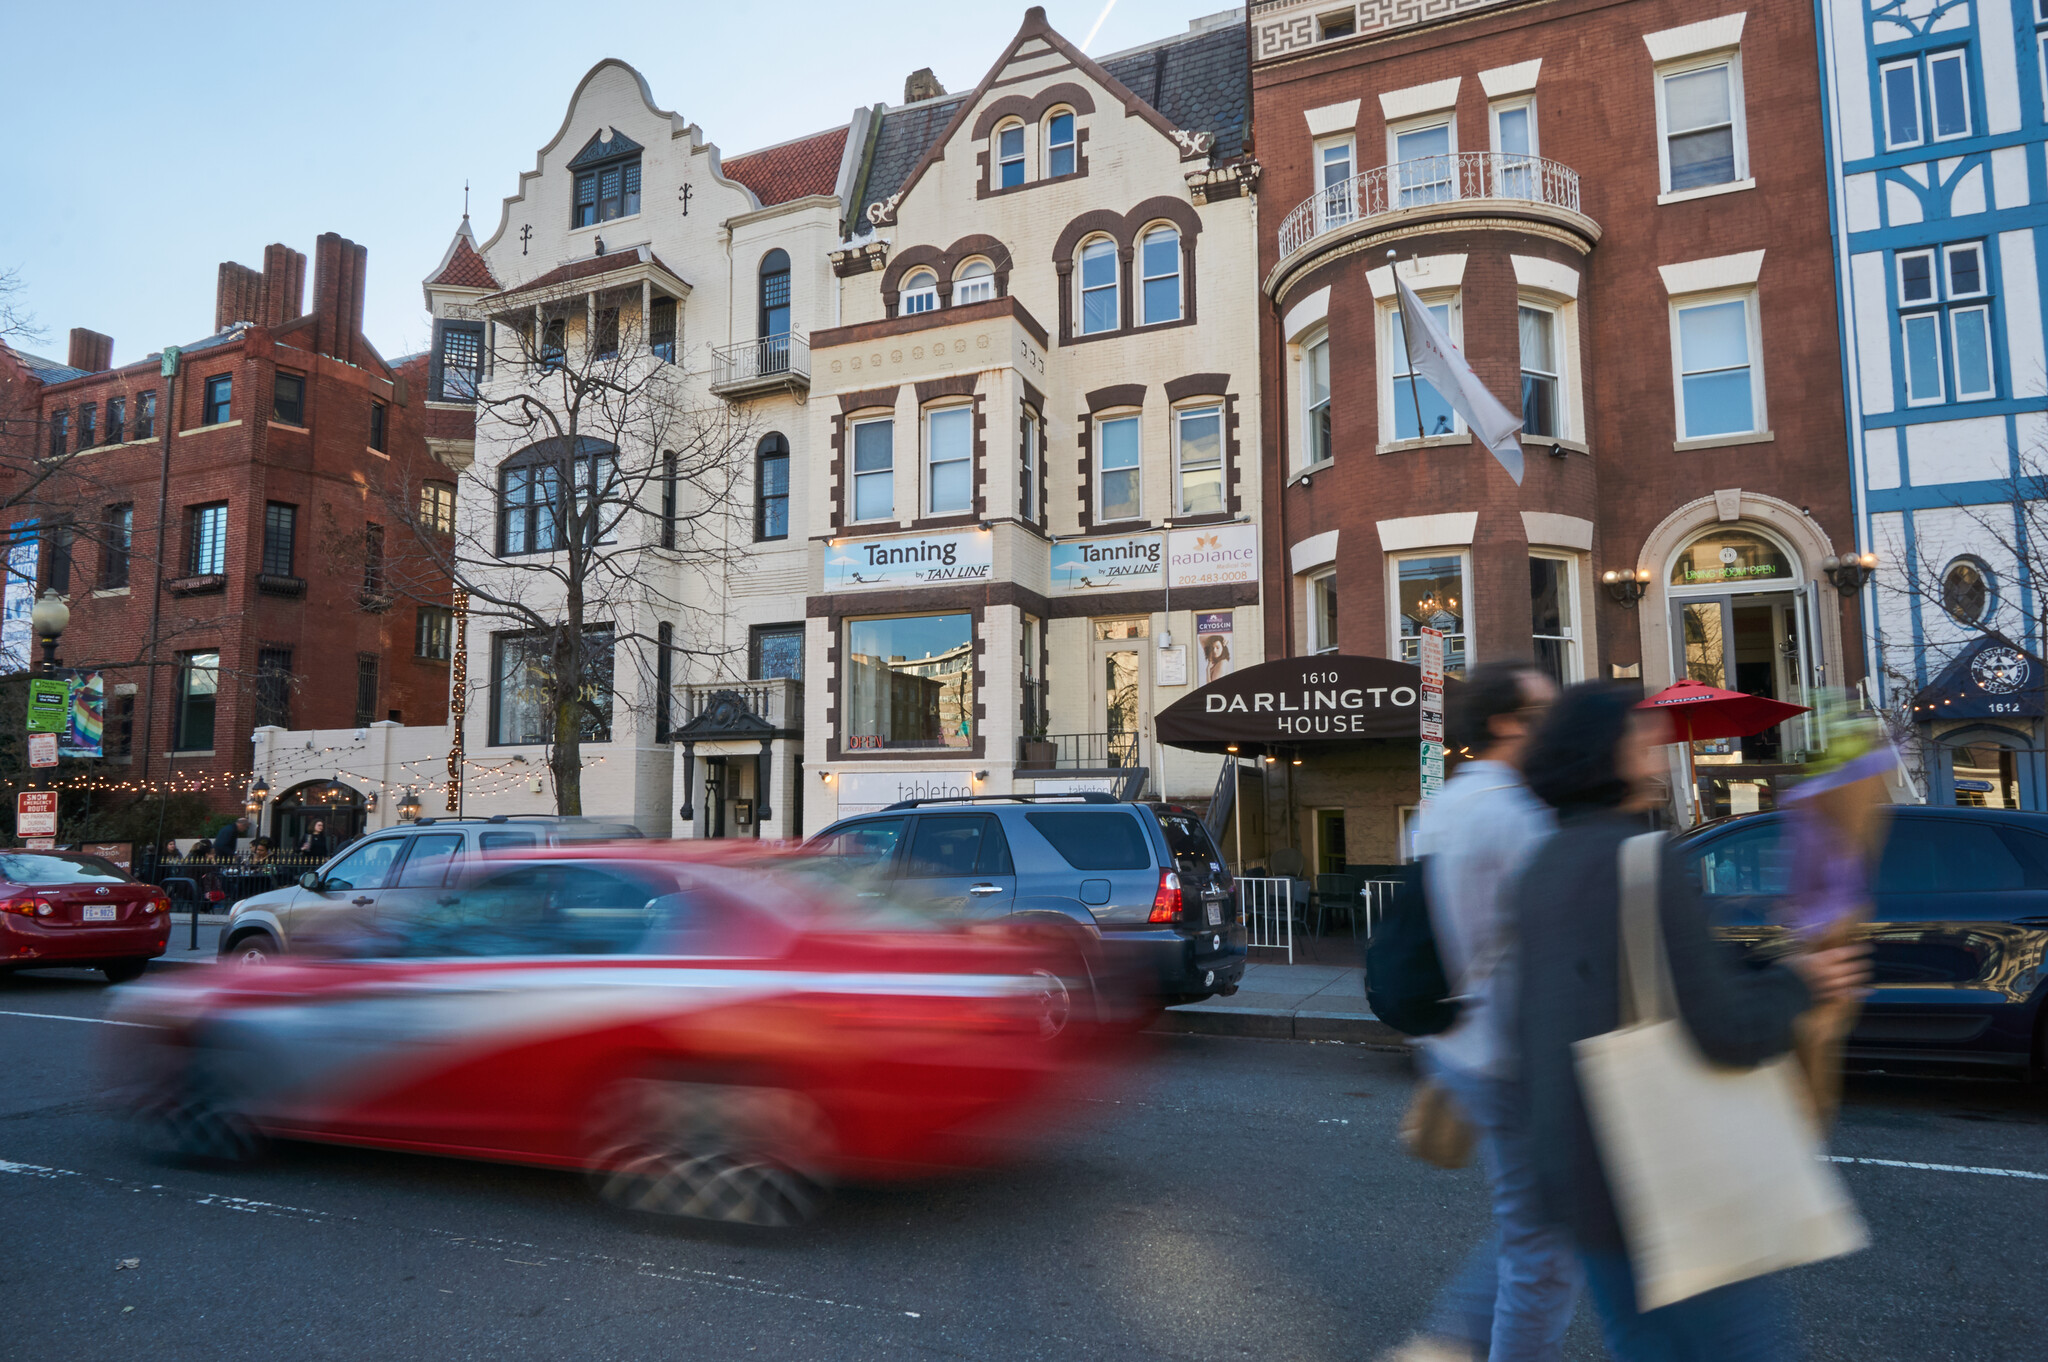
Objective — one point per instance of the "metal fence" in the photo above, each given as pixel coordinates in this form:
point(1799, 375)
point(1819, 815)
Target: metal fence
point(190, 881)
point(1268, 912)
point(1375, 895)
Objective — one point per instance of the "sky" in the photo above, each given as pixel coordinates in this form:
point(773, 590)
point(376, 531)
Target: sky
point(148, 143)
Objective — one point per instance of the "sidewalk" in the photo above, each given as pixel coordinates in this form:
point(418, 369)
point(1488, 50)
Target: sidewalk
point(1288, 1002)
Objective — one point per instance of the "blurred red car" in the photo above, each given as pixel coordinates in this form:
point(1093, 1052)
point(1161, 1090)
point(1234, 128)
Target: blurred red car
point(709, 1035)
point(61, 909)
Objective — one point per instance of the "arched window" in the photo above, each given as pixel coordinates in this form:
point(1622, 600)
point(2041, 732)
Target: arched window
point(775, 294)
point(920, 292)
point(771, 488)
point(976, 283)
point(1099, 311)
point(1159, 263)
point(1059, 143)
point(1009, 155)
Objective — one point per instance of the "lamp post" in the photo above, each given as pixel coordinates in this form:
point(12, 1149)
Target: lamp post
point(409, 806)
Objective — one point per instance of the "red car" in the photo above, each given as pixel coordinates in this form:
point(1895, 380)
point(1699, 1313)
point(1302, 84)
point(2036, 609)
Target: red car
point(710, 1035)
point(60, 909)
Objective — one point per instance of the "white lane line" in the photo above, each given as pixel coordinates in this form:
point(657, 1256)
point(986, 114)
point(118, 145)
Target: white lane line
point(58, 1016)
point(1940, 1167)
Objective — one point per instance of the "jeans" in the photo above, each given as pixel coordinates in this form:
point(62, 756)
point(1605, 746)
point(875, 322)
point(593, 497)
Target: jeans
point(1513, 1297)
point(1740, 1322)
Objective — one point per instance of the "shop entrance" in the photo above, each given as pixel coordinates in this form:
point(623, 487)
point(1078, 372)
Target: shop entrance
point(1120, 682)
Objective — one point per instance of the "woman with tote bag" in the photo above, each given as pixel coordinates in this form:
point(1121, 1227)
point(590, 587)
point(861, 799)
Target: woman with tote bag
point(1603, 1136)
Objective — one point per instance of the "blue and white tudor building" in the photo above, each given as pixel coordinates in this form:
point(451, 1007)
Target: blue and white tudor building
point(1936, 111)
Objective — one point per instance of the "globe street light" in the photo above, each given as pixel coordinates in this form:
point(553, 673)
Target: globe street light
point(49, 619)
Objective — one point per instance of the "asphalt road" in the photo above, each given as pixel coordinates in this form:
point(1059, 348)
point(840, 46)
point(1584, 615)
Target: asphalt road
point(1238, 1198)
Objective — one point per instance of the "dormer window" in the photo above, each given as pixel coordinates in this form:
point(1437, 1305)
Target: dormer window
point(607, 173)
point(920, 292)
point(1059, 143)
point(1009, 155)
point(976, 283)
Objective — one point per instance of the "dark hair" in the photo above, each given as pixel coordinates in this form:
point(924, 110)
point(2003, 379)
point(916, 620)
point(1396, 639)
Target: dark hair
point(1571, 762)
point(1489, 690)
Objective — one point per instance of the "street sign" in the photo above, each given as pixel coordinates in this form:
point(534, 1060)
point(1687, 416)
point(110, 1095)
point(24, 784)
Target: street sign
point(1431, 709)
point(49, 705)
point(42, 749)
point(35, 813)
point(40, 843)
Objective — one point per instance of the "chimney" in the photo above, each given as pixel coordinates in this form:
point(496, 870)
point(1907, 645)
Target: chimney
point(239, 297)
point(91, 351)
point(284, 285)
point(338, 265)
point(921, 84)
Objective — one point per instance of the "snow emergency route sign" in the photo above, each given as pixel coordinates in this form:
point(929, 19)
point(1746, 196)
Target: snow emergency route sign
point(35, 813)
point(1432, 712)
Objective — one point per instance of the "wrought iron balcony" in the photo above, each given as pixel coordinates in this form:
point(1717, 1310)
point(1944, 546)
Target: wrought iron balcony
point(1082, 751)
point(770, 364)
point(1430, 183)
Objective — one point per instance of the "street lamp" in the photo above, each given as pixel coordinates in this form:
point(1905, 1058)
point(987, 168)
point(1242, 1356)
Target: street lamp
point(409, 806)
point(50, 618)
point(1626, 585)
point(1848, 573)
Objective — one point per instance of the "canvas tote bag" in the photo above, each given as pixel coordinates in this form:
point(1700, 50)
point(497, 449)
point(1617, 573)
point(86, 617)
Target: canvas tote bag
point(1716, 1172)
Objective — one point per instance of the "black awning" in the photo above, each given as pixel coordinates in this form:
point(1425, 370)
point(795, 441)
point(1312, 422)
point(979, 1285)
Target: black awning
point(1990, 679)
point(1298, 704)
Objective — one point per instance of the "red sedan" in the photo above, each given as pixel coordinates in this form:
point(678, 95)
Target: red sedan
point(708, 1035)
point(60, 909)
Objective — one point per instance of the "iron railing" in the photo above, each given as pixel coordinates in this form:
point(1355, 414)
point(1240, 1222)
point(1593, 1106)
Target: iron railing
point(1425, 181)
point(778, 702)
point(1268, 912)
point(1096, 751)
point(769, 360)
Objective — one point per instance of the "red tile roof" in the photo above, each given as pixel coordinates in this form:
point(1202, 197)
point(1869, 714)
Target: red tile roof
point(809, 165)
point(465, 268)
point(589, 266)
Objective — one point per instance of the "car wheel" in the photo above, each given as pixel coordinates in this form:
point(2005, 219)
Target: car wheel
point(727, 1152)
point(253, 950)
point(1053, 1003)
point(121, 971)
point(194, 1121)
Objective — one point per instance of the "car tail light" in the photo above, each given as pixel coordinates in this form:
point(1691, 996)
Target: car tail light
point(1166, 904)
point(28, 905)
point(156, 906)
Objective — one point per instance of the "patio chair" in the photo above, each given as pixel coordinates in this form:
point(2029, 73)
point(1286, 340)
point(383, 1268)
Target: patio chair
point(1338, 892)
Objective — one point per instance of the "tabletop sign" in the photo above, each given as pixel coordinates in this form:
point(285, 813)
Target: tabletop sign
point(1432, 712)
point(35, 813)
point(42, 749)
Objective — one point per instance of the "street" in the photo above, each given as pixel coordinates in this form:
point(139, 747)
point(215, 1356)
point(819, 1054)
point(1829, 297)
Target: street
point(1242, 1198)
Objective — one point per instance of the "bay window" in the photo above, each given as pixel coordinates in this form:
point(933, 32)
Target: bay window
point(1542, 413)
point(1430, 594)
point(1413, 409)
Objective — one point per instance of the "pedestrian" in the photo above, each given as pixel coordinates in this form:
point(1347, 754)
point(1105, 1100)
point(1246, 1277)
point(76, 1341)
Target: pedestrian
point(1597, 761)
point(315, 844)
point(1513, 1298)
point(228, 838)
point(259, 851)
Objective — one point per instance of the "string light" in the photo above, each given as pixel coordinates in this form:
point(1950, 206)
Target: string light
point(458, 700)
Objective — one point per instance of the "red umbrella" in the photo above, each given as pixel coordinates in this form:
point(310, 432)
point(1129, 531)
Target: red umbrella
point(1699, 712)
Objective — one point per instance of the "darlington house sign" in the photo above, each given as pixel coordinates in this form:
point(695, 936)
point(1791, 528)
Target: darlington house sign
point(1298, 702)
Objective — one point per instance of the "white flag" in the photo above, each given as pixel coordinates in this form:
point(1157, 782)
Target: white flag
point(1437, 362)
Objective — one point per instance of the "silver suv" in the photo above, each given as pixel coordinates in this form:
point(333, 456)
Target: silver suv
point(391, 872)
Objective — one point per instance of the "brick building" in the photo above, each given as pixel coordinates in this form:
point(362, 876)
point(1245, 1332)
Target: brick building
point(263, 591)
point(1616, 211)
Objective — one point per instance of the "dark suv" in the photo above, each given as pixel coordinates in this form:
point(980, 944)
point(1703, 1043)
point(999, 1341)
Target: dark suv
point(1146, 879)
point(1958, 939)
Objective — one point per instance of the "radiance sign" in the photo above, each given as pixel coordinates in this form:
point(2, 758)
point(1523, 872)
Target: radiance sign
point(1298, 702)
point(920, 560)
point(1204, 555)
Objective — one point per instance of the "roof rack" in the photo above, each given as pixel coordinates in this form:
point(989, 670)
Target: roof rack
point(1084, 796)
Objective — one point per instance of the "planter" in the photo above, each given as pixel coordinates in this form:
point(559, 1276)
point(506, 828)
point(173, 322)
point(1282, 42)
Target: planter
point(1037, 756)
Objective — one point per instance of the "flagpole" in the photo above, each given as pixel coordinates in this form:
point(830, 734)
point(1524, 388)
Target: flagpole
point(1408, 350)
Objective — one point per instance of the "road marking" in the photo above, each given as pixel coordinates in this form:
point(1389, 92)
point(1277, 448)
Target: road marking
point(1940, 1167)
point(58, 1016)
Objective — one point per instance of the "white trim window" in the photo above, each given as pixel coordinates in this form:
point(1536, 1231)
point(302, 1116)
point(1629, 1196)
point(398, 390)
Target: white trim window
point(1720, 383)
point(976, 283)
point(1702, 139)
point(1320, 598)
point(1424, 157)
point(1541, 331)
point(1429, 590)
point(1945, 324)
point(1925, 98)
point(1553, 614)
point(1159, 268)
point(920, 293)
point(1514, 140)
point(874, 469)
point(1028, 455)
point(1061, 145)
point(1009, 149)
point(1099, 308)
point(1336, 164)
point(1315, 400)
point(949, 460)
point(1412, 409)
point(1117, 468)
point(1198, 450)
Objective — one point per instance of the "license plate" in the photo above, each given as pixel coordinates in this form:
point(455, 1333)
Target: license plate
point(100, 912)
point(1215, 912)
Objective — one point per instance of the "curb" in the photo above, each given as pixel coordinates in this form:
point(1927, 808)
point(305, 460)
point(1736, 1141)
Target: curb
point(1274, 1023)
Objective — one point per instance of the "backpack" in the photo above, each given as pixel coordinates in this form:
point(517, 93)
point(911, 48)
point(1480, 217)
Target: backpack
point(1405, 982)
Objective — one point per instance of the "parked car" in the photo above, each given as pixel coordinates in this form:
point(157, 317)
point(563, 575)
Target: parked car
point(710, 1031)
point(1146, 879)
point(390, 871)
point(67, 910)
point(1958, 939)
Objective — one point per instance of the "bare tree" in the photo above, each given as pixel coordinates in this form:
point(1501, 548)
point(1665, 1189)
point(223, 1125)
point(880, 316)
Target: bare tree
point(597, 529)
point(17, 323)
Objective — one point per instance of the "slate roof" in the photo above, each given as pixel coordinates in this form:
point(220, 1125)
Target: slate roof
point(809, 165)
point(906, 134)
point(48, 370)
point(465, 268)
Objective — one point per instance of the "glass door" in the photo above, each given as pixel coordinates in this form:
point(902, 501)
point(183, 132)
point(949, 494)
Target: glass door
point(1121, 681)
point(1703, 638)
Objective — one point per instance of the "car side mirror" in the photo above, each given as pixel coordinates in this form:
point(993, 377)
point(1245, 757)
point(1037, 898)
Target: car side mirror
point(311, 880)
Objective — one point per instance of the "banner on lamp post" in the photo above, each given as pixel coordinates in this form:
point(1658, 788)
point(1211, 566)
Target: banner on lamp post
point(49, 705)
point(1431, 710)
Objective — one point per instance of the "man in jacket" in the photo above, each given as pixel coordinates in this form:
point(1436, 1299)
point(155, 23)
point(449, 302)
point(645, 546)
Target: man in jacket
point(225, 841)
point(1513, 1299)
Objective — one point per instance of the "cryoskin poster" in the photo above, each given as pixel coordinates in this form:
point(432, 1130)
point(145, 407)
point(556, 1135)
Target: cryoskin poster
point(1213, 643)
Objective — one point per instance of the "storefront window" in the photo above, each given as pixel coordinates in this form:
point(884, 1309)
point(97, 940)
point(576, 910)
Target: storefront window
point(909, 682)
point(1730, 557)
point(1433, 596)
